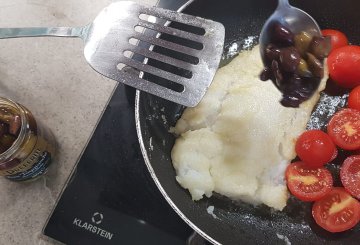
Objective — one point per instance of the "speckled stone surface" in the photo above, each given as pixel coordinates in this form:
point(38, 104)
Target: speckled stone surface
point(51, 77)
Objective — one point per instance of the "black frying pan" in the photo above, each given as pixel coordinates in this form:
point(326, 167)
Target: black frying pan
point(241, 223)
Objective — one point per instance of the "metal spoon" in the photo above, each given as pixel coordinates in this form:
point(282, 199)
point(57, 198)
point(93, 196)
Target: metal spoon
point(296, 20)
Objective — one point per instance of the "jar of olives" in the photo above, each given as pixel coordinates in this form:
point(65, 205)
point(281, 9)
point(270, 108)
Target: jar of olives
point(26, 146)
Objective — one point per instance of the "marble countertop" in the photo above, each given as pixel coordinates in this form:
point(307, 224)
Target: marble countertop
point(51, 77)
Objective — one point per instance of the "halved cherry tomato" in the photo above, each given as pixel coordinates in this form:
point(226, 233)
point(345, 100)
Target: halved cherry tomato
point(344, 129)
point(344, 66)
point(354, 98)
point(338, 39)
point(315, 148)
point(308, 184)
point(350, 175)
point(337, 211)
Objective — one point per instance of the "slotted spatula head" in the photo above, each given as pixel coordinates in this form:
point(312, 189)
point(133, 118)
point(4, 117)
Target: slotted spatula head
point(189, 70)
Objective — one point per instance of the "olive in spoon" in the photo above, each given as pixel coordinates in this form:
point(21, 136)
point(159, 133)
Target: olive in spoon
point(296, 20)
point(292, 50)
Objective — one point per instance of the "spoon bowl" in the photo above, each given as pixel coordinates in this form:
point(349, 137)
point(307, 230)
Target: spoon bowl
point(296, 20)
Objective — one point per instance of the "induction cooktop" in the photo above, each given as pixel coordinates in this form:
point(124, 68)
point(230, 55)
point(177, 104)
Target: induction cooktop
point(110, 198)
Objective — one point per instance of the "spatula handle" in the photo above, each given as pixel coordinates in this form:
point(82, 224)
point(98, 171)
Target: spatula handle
point(41, 31)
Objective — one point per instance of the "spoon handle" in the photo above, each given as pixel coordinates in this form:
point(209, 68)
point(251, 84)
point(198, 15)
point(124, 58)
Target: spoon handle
point(283, 3)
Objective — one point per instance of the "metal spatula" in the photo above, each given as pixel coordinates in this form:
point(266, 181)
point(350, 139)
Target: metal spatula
point(107, 40)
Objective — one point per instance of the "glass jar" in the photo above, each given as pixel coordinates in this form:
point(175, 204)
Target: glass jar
point(32, 148)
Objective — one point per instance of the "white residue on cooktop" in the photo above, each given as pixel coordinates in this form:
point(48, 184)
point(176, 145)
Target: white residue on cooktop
point(233, 49)
point(150, 144)
point(249, 42)
point(164, 119)
point(282, 237)
point(237, 46)
point(210, 211)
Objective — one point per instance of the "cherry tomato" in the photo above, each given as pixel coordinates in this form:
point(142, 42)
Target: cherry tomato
point(308, 184)
point(344, 129)
point(337, 211)
point(338, 39)
point(336, 152)
point(344, 66)
point(315, 148)
point(350, 175)
point(354, 98)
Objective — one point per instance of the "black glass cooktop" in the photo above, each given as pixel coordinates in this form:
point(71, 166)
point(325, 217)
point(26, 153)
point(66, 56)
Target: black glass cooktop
point(110, 197)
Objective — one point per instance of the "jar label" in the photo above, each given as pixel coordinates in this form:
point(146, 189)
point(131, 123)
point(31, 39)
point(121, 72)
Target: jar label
point(29, 162)
point(43, 162)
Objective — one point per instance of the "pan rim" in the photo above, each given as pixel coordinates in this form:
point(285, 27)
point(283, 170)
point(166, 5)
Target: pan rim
point(150, 168)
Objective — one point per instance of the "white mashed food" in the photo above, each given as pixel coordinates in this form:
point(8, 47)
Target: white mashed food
point(239, 139)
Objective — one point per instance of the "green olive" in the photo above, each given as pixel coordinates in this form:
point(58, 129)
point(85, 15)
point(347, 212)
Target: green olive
point(302, 42)
point(303, 69)
point(6, 115)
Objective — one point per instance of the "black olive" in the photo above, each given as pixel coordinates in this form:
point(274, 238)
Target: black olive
point(305, 87)
point(298, 90)
point(315, 66)
point(289, 59)
point(272, 52)
point(282, 35)
point(266, 74)
point(277, 73)
point(290, 101)
point(320, 47)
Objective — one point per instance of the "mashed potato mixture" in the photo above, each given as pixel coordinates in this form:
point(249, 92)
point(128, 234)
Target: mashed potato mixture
point(239, 139)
